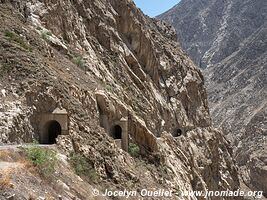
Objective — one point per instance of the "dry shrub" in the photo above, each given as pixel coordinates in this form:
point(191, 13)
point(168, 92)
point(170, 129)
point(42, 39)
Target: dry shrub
point(9, 155)
point(5, 155)
point(5, 179)
point(50, 197)
point(28, 166)
point(32, 196)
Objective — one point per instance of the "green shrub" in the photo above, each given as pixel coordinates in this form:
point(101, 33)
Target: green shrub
point(49, 33)
point(45, 34)
point(17, 39)
point(83, 168)
point(177, 192)
point(4, 68)
point(39, 28)
point(79, 164)
point(79, 61)
point(43, 159)
point(9, 34)
point(109, 88)
point(134, 150)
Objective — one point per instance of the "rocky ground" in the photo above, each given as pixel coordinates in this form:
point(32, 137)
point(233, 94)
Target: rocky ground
point(228, 39)
point(105, 58)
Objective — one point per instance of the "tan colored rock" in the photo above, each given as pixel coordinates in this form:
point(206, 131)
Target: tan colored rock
point(120, 65)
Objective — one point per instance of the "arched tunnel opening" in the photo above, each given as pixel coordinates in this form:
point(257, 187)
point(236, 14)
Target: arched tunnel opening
point(116, 132)
point(177, 132)
point(52, 130)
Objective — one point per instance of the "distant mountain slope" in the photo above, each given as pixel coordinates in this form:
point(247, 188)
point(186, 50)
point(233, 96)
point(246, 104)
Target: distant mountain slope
point(211, 30)
point(228, 40)
point(122, 80)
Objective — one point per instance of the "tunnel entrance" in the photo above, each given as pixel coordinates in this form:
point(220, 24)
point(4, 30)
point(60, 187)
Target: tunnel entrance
point(177, 132)
point(51, 131)
point(116, 132)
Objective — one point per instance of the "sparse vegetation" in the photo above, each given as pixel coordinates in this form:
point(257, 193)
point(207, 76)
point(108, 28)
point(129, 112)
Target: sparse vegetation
point(4, 68)
point(165, 169)
point(49, 197)
point(134, 150)
point(126, 88)
point(5, 180)
point(83, 168)
point(79, 163)
point(32, 196)
point(109, 88)
point(177, 191)
point(4, 155)
point(43, 159)
point(45, 34)
point(79, 61)
point(17, 39)
point(39, 28)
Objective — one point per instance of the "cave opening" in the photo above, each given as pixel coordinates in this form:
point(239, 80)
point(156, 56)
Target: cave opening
point(177, 132)
point(51, 131)
point(116, 132)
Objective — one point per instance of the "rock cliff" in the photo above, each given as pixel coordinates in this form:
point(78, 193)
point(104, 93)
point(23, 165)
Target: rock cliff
point(228, 39)
point(104, 61)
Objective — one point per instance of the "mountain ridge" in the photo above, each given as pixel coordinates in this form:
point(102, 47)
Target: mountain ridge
point(110, 92)
point(227, 39)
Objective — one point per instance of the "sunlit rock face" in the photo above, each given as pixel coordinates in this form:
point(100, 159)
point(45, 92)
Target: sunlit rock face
point(104, 63)
point(228, 40)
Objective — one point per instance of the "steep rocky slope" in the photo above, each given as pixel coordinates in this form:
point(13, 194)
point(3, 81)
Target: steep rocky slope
point(103, 61)
point(228, 40)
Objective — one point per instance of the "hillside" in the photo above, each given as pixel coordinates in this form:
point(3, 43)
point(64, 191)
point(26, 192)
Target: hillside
point(108, 90)
point(228, 40)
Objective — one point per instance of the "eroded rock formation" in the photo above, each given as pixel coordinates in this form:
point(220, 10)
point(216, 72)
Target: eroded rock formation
point(228, 39)
point(102, 61)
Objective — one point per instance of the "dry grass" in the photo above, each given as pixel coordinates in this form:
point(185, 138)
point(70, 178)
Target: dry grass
point(9, 155)
point(27, 165)
point(5, 179)
point(5, 155)
point(32, 196)
point(50, 197)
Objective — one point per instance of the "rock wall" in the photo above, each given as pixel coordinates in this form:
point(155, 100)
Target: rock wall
point(227, 39)
point(97, 58)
